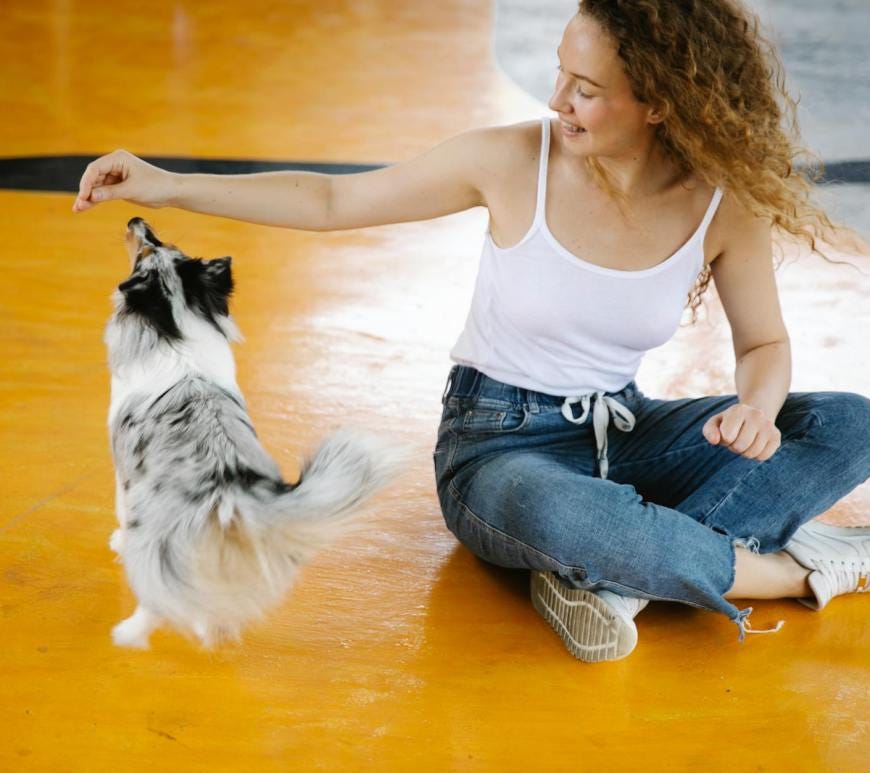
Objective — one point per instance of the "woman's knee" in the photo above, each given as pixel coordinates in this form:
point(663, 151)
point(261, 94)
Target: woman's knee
point(843, 423)
point(850, 408)
point(573, 514)
point(544, 516)
point(838, 408)
point(845, 416)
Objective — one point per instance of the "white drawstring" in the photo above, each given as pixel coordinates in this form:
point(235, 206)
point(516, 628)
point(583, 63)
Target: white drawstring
point(603, 407)
point(745, 627)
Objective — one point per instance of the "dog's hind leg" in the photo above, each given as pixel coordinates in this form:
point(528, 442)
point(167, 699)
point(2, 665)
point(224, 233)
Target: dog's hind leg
point(116, 541)
point(135, 630)
point(211, 635)
point(120, 501)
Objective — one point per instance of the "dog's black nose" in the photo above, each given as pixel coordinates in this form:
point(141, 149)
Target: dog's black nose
point(133, 220)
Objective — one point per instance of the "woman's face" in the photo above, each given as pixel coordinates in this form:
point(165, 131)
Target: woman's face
point(601, 102)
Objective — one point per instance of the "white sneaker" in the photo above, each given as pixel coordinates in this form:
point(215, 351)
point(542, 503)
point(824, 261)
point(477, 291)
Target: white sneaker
point(595, 625)
point(838, 557)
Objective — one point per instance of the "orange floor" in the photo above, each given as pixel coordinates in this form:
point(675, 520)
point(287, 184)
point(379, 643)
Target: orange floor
point(399, 648)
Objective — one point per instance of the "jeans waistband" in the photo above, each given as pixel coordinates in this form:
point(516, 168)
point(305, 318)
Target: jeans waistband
point(466, 381)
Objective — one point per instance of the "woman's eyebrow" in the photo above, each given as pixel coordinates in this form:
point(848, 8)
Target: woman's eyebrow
point(582, 77)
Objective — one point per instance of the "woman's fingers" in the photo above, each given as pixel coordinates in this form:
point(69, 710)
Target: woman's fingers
point(106, 170)
point(122, 176)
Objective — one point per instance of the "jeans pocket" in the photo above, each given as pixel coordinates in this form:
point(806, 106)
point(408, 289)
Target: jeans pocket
point(488, 416)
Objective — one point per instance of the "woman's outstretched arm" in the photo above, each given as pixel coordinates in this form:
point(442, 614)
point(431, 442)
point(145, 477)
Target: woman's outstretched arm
point(449, 177)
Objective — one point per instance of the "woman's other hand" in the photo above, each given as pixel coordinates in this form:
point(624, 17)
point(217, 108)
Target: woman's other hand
point(745, 430)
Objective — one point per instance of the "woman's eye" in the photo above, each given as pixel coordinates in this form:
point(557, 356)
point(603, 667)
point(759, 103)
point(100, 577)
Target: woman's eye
point(579, 90)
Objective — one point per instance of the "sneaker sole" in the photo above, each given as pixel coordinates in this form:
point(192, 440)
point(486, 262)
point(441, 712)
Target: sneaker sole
point(590, 629)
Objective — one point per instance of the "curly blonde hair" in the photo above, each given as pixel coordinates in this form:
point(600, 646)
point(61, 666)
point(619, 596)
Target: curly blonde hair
point(715, 80)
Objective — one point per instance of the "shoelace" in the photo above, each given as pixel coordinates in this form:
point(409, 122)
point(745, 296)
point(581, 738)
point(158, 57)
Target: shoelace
point(602, 407)
point(841, 574)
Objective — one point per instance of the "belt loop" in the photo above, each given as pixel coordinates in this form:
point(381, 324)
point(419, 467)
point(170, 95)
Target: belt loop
point(476, 385)
point(447, 388)
point(451, 379)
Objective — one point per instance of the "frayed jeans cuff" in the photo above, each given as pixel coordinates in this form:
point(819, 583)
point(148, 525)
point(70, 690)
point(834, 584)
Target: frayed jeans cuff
point(745, 626)
point(751, 543)
point(742, 618)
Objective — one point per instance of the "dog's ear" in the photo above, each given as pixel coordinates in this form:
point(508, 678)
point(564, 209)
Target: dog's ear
point(218, 277)
point(207, 286)
point(143, 295)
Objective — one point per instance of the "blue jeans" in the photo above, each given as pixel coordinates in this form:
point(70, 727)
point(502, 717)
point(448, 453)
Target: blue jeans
point(520, 485)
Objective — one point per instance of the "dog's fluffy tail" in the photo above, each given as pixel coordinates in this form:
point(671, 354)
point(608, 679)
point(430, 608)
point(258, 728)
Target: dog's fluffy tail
point(348, 468)
point(249, 556)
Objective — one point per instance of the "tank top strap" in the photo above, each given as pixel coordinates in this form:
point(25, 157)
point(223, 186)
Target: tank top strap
point(711, 210)
point(541, 202)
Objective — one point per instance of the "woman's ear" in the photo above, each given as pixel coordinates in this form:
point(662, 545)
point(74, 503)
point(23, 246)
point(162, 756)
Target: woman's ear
point(656, 115)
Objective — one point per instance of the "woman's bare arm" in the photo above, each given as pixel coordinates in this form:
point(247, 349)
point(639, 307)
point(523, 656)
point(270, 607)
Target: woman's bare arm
point(449, 177)
point(287, 199)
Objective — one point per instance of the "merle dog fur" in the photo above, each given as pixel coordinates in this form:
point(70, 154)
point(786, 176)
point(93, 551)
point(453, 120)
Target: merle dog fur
point(211, 536)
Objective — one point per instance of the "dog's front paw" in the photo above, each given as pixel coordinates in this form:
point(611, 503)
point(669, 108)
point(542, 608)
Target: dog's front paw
point(116, 541)
point(129, 633)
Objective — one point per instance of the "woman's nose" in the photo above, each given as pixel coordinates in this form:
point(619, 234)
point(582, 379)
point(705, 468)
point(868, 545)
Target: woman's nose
point(558, 102)
point(559, 105)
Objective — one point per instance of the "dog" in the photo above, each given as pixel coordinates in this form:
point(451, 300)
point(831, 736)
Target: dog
point(211, 536)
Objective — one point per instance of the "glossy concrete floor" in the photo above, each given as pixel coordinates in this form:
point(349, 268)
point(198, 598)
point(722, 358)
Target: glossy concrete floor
point(398, 648)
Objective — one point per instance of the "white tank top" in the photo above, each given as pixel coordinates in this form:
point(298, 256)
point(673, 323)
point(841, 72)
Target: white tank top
point(543, 319)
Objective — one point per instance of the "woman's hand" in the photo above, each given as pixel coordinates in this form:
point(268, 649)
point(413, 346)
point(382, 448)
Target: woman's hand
point(121, 175)
point(745, 430)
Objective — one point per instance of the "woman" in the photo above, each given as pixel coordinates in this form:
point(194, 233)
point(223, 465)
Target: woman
point(668, 143)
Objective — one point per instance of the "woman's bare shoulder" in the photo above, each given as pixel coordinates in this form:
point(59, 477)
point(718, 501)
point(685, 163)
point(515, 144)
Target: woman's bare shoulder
point(522, 134)
point(733, 222)
point(509, 150)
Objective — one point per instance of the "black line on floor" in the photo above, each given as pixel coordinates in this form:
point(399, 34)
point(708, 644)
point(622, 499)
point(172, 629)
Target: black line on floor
point(62, 173)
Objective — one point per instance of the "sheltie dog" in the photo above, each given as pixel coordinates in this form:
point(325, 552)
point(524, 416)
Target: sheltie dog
point(211, 536)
